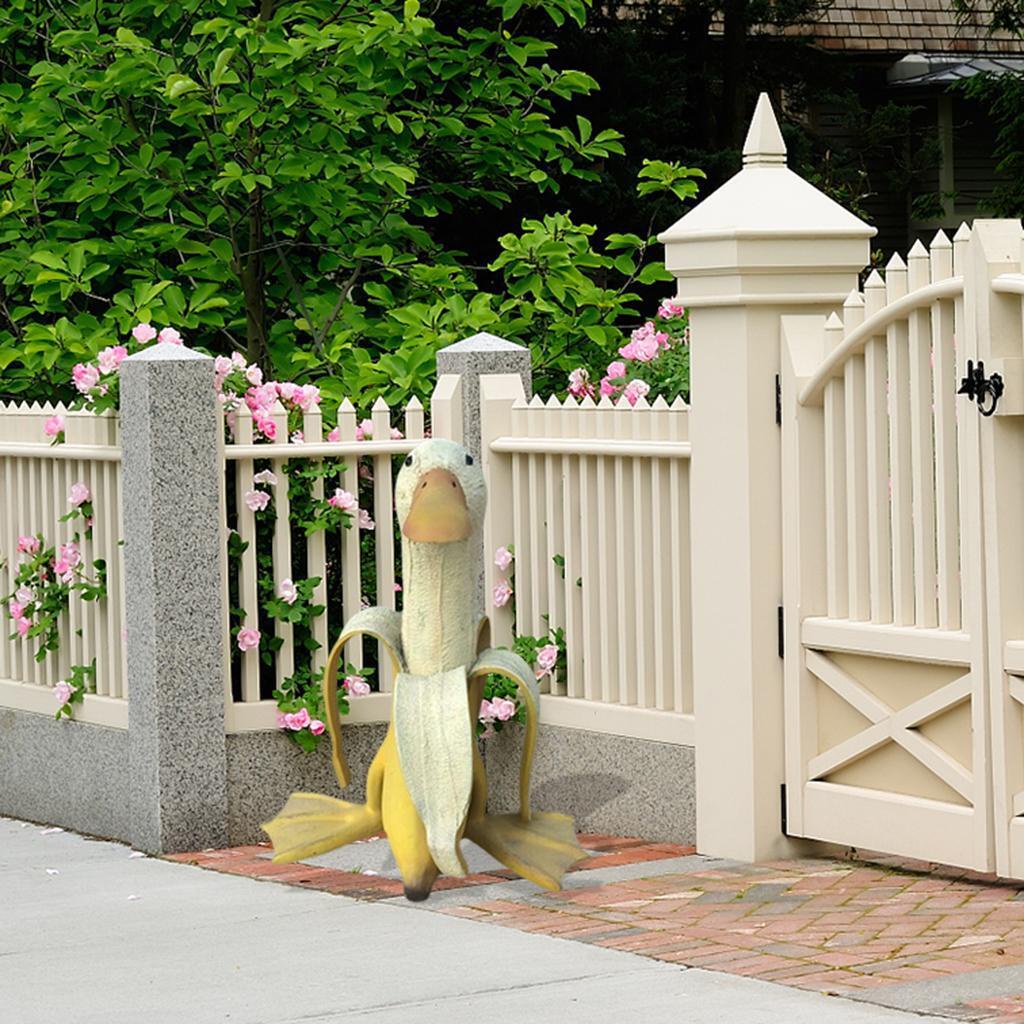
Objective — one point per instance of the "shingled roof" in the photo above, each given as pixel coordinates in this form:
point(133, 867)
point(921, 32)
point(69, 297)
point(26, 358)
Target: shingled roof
point(907, 26)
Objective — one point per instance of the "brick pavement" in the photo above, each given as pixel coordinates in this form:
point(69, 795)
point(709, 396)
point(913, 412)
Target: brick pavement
point(842, 927)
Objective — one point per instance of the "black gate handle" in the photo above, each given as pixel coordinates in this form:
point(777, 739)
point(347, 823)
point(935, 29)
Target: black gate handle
point(979, 388)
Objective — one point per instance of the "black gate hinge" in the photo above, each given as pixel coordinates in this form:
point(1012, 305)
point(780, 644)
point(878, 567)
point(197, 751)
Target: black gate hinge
point(782, 633)
point(778, 401)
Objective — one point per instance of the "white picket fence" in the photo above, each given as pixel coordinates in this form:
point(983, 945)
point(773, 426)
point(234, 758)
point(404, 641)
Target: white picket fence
point(35, 480)
point(341, 572)
point(603, 487)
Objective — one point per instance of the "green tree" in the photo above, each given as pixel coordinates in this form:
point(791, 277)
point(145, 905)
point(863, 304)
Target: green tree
point(290, 179)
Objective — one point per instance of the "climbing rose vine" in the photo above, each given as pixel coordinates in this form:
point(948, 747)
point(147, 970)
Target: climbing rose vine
point(656, 359)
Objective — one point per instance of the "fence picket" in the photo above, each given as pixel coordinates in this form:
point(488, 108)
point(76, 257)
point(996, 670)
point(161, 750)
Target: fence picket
point(248, 600)
point(351, 569)
point(316, 548)
point(384, 536)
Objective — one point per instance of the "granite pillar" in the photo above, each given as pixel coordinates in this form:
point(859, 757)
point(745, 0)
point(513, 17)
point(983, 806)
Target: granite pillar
point(473, 358)
point(172, 464)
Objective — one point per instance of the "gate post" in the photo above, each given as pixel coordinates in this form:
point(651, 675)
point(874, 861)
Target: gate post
point(765, 244)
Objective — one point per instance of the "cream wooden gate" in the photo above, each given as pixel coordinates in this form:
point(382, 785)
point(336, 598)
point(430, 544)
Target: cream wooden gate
point(903, 512)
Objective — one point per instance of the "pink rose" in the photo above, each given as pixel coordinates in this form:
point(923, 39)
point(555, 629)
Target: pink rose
point(486, 714)
point(254, 375)
point(68, 558)
point(280, 719)
point(502, 593)
point(364, 432)
point(54, 426)
point(28, 545)
point(334, 435)
point(238, 360)
point(616, 370)
point(265, 476)
point(79, 494)
point(222, 366)
point(579, 383)
point(111, 358)
point(608, 389)
point(636, 389)
point(85, 377)
point(547, 656)
point(15, 609)
point(503, 708)
point(23, 626)
point(287, 591)
point(398, 588)
point(143, 333)
point(396, 434)
point(365, 522)
point(343, 500)
point(257, 501)
point(265, 425)
point(24, 595)
point(503, 558)
point(287, 390)
point(299, 720)
point(357, 686)
point(307, 398)
point(62, 693)
point(316, 727)
point(170, 336)
point(248, 639)
point(669, 310)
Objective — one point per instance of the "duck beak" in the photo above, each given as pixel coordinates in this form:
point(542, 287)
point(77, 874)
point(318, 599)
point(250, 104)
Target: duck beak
point(439, 514)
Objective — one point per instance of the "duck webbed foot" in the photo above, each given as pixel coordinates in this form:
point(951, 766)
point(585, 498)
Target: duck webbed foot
point(310, 824)
point(541, 849)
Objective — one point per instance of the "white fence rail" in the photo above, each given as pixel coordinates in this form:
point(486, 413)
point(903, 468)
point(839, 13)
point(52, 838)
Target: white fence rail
point(594, 501)
point(35, 481)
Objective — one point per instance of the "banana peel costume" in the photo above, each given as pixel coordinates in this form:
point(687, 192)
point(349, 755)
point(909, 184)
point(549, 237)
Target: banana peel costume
point(426, 787)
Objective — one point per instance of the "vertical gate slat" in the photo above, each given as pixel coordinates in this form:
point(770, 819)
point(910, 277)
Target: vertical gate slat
point(534, 501)
point(922, 446)
point(901, 504)
point(661, 572)
point(855, 402)
point(836, 551)
point(946, 482)
point(282, 548)
point(877, 440)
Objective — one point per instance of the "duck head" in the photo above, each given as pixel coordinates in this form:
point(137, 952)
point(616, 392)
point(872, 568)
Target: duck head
point(440, 495)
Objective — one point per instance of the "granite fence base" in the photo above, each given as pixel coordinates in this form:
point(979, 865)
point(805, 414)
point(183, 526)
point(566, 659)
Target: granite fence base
point(77, 776)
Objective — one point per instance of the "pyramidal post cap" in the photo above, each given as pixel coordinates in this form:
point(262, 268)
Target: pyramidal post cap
point(764, 145)
point(766, 200)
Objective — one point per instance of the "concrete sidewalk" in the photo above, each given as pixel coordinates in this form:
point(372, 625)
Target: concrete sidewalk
point(90, 934)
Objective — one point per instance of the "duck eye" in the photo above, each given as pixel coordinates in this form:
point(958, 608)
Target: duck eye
point(408, 460)
point(469, 459)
